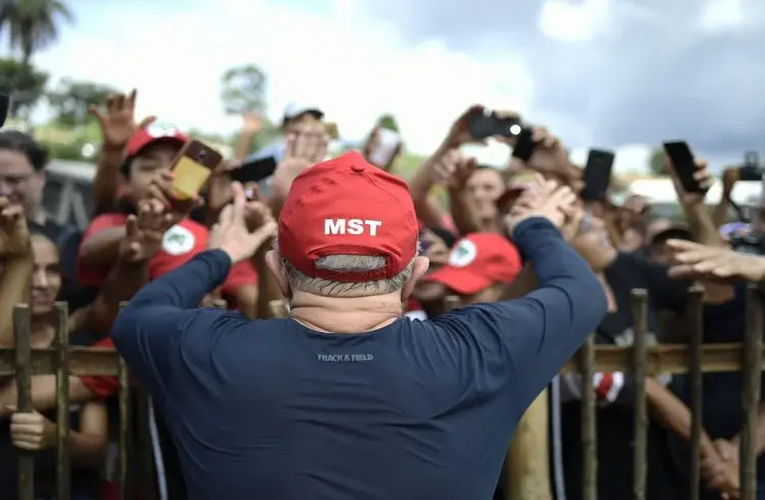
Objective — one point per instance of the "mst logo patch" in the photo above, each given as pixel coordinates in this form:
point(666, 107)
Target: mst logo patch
point(464, 254)
point(178, 240)
point(161, 130)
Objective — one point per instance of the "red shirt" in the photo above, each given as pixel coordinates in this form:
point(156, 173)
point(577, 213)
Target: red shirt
point(180, 243)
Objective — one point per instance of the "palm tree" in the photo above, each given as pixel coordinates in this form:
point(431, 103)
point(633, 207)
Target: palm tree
point(32, 24)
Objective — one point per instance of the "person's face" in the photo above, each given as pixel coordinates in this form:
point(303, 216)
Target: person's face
point(19, 182)
point(299, 122)
point(149, 165)
point(660, 253)
point(46, 277)
point(485, 186)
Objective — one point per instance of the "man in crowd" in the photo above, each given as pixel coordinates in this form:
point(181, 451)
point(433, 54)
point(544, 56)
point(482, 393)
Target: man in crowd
point(430, 406)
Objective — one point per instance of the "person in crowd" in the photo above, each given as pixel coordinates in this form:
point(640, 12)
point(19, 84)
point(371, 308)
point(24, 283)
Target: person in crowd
point(22, 181)
point(149, 155)
point(478, 269)
point(31, 269)
point(361, 387)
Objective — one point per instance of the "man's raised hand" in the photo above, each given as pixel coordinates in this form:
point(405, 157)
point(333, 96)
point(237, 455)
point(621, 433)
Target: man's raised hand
point(232, 234)
point(545, 198)
point(14, 233)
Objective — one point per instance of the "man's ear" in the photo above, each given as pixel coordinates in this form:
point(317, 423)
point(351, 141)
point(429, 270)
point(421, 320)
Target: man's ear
point(275, 265)
point(421, 265)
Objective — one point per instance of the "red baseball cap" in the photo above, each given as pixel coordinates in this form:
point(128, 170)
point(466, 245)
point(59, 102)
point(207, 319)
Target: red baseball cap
point(151, 134)
point(477, 261)
point(346, 206)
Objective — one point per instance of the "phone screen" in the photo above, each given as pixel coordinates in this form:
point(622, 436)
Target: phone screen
point(388, 142)
point(684, 165)
point(524, 146)
point(189, 178)
point(597, 174)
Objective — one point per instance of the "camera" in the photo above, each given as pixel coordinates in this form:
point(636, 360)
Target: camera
point(752, 243)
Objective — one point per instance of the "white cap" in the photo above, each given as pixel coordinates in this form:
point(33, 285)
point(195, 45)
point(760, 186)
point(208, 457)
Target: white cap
point(295, 109)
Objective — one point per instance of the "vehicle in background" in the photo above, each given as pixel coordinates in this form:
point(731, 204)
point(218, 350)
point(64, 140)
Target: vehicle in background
point(68, 195)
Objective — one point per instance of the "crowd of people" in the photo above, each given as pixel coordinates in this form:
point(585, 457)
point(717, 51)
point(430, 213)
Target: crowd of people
point(533, 266)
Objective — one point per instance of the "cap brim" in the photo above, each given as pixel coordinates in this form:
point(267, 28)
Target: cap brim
point(672, 233)
point(460, 279)
point(180, 139)
point(317, 113)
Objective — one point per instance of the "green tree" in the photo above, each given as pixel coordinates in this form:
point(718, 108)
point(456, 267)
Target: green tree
point(388, 121)
point(33, 25)
point(656, 161)
point(70, 100)
point(243, 89)
point(25, 85)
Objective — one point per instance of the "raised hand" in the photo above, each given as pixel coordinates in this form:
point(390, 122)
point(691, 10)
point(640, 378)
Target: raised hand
point(144, 232)
point(161, 189)
point(701, 175)
point(459, 133)
point(14, 233)
point(117, 121)
point(697, 261)
point(305, 147)
point(232, 235)
point(544, 198)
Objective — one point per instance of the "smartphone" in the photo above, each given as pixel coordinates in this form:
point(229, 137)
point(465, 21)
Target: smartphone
point(484, 125)
point(5, 103)
point(332, 131)
point(597, 174)
point(192, 168)
point(524, 145)
point(388, 142)
point(254, 170)
point(752, 159)
point(684, 165)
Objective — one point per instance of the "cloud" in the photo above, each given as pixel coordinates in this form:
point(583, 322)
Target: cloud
point(354, 66)
point(617, 72)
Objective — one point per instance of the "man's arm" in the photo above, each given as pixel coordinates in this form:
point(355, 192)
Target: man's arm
point(157, 319)
point(540, 332)
point(87, 445)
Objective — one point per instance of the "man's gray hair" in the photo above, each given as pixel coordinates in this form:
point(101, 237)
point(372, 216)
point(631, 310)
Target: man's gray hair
point(346, 263)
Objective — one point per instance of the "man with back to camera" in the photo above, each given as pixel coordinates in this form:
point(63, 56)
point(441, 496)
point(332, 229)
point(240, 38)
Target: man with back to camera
point(346, 399)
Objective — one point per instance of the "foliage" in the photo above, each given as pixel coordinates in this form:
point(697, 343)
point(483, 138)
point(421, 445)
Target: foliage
point(656, 161)
point(388, 121)
point(32, 25)
point(71, 99)
point(244, 89)
point(25, 85)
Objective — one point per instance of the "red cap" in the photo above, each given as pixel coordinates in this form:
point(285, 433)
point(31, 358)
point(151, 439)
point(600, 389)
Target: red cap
point(154, 132)
point(477, 261)
point(345, 206)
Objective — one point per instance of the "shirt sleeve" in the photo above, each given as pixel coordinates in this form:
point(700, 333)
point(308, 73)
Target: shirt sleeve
point(163, 320)
point(528, 340)
point(89, 276)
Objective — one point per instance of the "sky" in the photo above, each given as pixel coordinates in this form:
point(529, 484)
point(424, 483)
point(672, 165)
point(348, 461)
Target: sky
point(614, 74)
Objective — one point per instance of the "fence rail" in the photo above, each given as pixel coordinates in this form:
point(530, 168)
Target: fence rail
point(641, 360)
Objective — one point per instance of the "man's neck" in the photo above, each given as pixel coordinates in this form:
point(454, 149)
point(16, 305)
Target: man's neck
point(346, 315)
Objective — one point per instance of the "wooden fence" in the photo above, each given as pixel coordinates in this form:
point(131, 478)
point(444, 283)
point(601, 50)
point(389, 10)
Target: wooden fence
point(528, 483)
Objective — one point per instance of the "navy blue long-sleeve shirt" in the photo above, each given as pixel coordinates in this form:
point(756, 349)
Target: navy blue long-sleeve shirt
point(414, 410)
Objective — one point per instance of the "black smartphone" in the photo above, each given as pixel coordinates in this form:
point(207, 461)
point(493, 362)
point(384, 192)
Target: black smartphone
point(684, 165)
point(5, 103)
point(524, 145)
point(597, 174)
point(484, 125)
point(255, 170)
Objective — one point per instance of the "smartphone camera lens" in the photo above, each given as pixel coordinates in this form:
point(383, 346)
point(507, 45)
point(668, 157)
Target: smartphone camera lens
point(515, 129)
point(201, 155)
